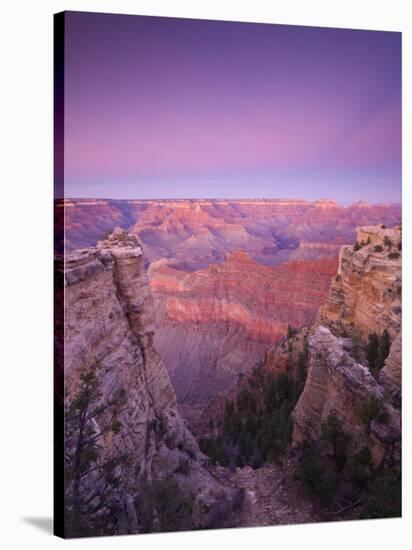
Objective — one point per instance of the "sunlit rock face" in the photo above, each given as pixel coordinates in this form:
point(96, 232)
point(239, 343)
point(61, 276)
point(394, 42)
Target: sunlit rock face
point(217, 322)
point(366, 293)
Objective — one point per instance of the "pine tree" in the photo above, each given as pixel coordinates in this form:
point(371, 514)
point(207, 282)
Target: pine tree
point(332, 433)
point(372, 350)
point(384, 347)
point(91, 476)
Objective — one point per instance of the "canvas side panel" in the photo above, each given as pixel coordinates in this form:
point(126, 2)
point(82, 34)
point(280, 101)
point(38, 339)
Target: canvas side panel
point(58, 424)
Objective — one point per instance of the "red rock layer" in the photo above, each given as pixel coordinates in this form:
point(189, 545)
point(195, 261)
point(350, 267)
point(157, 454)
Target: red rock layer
point(261, 299)
point(217, 322)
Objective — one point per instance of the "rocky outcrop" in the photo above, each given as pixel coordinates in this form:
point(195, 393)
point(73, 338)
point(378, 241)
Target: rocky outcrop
point(364, 298)
point(366, 293)
point(109, 321)
point(390, 376)
point(337, 383)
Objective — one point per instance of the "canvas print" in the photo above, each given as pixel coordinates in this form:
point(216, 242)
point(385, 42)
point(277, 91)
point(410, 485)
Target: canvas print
point(228, 280)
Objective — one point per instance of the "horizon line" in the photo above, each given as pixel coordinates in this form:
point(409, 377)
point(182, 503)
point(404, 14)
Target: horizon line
point(231, 199)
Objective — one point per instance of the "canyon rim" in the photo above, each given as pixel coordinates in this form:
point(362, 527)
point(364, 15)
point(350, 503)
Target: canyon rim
point(228, 325)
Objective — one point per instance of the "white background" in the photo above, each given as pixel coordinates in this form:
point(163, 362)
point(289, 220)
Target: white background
point(26, 269)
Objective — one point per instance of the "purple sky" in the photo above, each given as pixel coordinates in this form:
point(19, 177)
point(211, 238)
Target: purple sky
point(159, 107)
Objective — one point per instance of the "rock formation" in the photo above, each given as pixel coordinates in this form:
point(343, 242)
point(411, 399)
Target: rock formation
point(390, 376)
point(364, 298)
point(109, 321)
point(337, 383)
point(366, 293)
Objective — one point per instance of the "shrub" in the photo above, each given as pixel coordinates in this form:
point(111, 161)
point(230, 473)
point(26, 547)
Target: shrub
point(318, 480)
point(378, 248)
point(358, 245)
point(384, 348)
point(291, 331)
point(383, 496)
point(184, 466)
point(219, 511)
point(362, 467)
point(332, 433)
point(377, 350)
point(373, 408)
point(163, 506)
point(215, 449)
point(387, 241)
point(372, 350)
point(394, 255)
point(91, 476)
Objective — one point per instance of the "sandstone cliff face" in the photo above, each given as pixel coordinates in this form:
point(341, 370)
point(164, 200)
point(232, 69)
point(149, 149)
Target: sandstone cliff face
point(109, 319)
point(337, 382)
point(365, 294)
point(364, 298)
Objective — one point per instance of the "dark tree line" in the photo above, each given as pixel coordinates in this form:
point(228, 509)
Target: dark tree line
point(257, 425)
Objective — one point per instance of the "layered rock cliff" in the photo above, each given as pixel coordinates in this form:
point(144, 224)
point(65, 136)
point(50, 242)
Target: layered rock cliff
point(194, 233)
point(217, 322)
point(338, 383)
point(109, 322)
point(366, 293)
point(364, 299)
